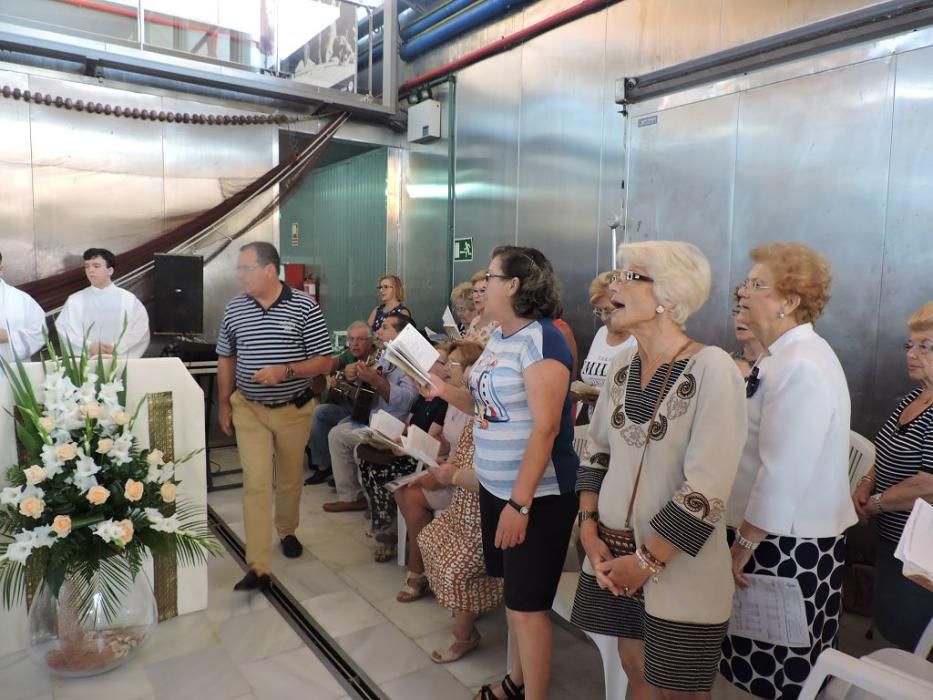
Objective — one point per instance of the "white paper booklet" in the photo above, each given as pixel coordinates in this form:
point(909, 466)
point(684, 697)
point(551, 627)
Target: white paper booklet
point(770, 610)
point(421, 446)
point(413, 354)
point(915, 547)
point(450, 325)
point(396, 484)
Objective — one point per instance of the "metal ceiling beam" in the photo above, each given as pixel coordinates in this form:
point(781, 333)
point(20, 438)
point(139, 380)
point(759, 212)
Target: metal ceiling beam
point(842, 30)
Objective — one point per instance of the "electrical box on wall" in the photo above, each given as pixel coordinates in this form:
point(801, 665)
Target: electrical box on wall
point(424, 121)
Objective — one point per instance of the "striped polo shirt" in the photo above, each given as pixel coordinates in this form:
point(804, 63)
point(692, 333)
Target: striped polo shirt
point(504, 424)
point(293, 329)
point(902, 451)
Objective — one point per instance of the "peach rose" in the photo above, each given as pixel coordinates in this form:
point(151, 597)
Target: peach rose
point(133, 490)
point(32, 507)
point(98, 495)
point(47, 423)
point(155, 457)
point(61, 525)
point(169, 492)
point(34, 475)
point(91, 410)
point(67, 451)
point(104, 445)
point(126, 531)
point(120, 417)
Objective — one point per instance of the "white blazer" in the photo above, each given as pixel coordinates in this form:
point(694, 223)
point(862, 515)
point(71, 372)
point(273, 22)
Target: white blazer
point(793, 477)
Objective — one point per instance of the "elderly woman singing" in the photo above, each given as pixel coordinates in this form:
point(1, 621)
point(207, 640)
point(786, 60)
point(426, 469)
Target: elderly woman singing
point(664, 445)
point(790, 504)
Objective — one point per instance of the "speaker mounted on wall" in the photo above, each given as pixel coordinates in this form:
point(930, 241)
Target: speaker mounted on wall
point(179, 294)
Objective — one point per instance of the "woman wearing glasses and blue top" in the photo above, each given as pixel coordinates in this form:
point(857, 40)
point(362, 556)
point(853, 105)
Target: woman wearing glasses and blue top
point(903, 472)
point(523, 456)
point(790, 504)
point(391, 297)
point(663, 448)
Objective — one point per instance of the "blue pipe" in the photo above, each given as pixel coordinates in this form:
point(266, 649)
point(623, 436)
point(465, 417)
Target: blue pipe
point(475, 16)
point(434, 17)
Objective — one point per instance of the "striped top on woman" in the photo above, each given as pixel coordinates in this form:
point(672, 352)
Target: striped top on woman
point(902, 452)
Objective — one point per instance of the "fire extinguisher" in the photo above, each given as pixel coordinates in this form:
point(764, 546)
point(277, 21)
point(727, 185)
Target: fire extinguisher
point(311, 286)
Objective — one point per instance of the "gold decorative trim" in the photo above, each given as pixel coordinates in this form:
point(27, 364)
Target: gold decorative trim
point(162, 437)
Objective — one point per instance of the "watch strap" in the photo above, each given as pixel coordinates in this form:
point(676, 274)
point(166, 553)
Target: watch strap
point(520, 508)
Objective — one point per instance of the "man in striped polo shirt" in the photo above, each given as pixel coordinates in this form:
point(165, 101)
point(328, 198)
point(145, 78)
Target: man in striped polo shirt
point(272, 340)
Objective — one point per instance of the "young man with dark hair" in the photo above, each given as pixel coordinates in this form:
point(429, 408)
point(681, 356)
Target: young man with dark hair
point(101, 311)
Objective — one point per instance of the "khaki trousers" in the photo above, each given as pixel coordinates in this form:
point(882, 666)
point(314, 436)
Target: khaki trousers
point(271, 443)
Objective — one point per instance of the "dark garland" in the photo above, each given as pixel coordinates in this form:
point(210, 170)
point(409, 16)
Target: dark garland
point(150, 114)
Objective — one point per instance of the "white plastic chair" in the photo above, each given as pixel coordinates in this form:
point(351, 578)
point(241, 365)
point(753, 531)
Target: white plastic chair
point(886, 674)
point(861, 458)
point(615, 678)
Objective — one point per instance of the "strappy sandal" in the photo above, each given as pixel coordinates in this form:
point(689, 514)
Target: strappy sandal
point(456, 648)
point(416, 586)
point(387, 551)
point(512, 691)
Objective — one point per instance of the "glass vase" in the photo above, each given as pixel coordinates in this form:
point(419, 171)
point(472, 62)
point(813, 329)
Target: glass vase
point(73, 643)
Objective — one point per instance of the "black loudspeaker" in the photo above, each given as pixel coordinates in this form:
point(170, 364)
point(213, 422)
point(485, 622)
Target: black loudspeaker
point(179, 294)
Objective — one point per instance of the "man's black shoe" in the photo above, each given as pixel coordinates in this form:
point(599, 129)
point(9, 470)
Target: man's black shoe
point(253, 581)
point(318, 477)
point(291, 547)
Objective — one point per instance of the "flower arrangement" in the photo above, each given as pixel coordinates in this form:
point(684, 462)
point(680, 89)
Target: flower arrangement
point(87, 504)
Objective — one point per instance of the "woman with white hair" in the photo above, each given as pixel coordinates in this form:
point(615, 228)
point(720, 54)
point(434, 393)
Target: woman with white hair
point(664, 445)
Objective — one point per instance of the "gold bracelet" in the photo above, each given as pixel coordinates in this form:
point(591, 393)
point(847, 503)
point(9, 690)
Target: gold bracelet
point(863, 479)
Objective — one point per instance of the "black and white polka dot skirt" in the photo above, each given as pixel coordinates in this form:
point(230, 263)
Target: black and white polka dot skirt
point(770, 671)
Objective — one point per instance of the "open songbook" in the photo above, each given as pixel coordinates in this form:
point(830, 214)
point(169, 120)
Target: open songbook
point(385, 430)
point(915, 547)
point(413, 354)
point(450, 325)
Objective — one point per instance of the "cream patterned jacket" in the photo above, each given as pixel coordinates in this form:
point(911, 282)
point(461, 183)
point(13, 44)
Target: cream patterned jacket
point(695, 444)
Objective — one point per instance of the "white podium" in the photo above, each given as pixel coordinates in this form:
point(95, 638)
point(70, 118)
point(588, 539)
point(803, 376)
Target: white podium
point(178, 403)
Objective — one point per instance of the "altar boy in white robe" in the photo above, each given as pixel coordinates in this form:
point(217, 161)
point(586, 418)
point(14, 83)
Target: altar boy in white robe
point(22, 321)
point(102, 309)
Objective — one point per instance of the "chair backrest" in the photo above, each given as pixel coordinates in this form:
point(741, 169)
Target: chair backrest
point(861, 458)
point(580, 435)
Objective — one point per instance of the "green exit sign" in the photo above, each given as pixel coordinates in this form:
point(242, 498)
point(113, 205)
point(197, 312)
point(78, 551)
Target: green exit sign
point(463, 250)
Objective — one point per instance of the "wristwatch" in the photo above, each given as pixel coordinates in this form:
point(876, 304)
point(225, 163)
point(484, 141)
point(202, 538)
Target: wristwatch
point(876, 499)
point(524, 510)
point(585, 515)
point(289, 371)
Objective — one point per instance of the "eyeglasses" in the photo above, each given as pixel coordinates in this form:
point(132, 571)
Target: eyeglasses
point(752, 382)
point(753, 285)
point(483, 290)
point(243, 269)
point(921, 348)
point(385, 286)
point(461, 309)
point(489, 276)
point(603, 313)
point(629, 276)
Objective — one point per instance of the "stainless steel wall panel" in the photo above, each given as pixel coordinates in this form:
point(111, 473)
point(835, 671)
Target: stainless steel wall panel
point(680, 187)
point(812, 165)
point(425, 249)
point(907, 262)
point(559, 152)
point(96, 181)
point(17, 240)
point(487, 133)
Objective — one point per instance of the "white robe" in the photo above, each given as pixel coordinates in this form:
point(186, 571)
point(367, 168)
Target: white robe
point(24, 320)
point(102, 311)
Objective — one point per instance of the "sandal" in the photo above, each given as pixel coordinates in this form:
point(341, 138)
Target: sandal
point(416, 586)
point(387, 551)
point(456, 648)
point(512, 691)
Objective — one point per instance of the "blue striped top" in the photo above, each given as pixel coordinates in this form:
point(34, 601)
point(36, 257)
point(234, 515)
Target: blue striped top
point(504, 423)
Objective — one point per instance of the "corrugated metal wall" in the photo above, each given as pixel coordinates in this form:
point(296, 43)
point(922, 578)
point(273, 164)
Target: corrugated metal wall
point(341, 215)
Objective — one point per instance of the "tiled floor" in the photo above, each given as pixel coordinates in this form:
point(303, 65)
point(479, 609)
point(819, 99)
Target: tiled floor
point(240, 648)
